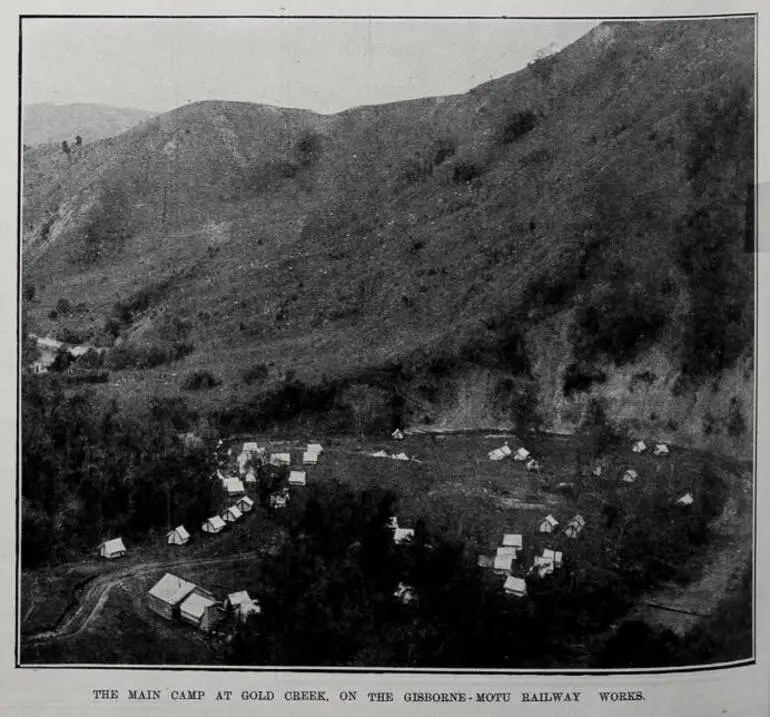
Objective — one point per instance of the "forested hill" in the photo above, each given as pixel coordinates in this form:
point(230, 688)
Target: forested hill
point(571, 235)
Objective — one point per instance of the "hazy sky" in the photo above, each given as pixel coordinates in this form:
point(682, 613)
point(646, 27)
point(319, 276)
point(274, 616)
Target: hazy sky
point(323, 65)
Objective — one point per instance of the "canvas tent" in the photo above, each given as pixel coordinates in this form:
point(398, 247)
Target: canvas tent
point(402, 535)
point(639, 447)
point(405, 593)
point(514, 540)
point(251, 477)
point(234, 486)
point(502, 564)
point(297, 478)
point(515, 586)
point(232, 514)
point(553, 555)
point(310, 459)
point(521, 454)
point(213, 525)
point(314, 448)
point(686, 499)
point(398, 435)
point(574, 526)
point(547, 524)
point(661, 449)
point(506, 551)
point(201, 610)
point(542, 566)
point(178, 536)
point(167, 594)
point(496, 455)
point(400, 457)
point(245, 504)
point(532, 465)
point(280, 459)
point(112, 549)
point(630, 476)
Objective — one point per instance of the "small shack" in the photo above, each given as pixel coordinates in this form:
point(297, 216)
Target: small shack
point(165, 597)
point(178, 536)
point(201, 610)
point(297, 478)
point(516, 587)
point(112, 549)
point(547, 524)
point(213, 525)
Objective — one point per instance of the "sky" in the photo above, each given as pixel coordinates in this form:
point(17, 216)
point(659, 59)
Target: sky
point(318, 64)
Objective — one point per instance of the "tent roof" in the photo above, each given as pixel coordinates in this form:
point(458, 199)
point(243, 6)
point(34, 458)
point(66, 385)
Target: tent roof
point(515, 584)
point(503, 562)
point(234, 485)
point(550, 519)
point(247, 500)
point(238, 597)
point(216, 521)
point(171, 589)
point(233, 511)
point(513, 539)
point(314, 447)
point(181, 531)
point(196, 605)
point(113, 546)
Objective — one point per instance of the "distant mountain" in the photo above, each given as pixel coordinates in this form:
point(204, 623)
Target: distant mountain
point(567, 240)
point(46, 122)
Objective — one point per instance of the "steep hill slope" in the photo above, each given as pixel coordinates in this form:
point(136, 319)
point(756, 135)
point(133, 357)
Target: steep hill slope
point(48, 123)
point(571, 235)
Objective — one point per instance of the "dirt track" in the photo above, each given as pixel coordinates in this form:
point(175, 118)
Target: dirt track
point(90, 604)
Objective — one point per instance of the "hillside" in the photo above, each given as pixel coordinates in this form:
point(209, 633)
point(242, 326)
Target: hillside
point(569, 236)
point(49, 123)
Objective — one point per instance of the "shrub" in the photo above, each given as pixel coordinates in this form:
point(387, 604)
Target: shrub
point(465, 171)
point(63, 307)
point(517, 125)
point(197, 380)
point(258, 372)
point(443, 149)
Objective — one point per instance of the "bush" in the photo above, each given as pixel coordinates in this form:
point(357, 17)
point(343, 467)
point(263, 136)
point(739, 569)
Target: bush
point(198, 380)
point(258, 372)
point(443, 149)
point(517, 125)
point(465, 171)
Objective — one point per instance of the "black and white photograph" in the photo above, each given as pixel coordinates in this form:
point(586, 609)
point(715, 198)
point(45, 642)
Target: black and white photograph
point(384, 343)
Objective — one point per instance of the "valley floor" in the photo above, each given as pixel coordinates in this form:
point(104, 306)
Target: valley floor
point(67, 610)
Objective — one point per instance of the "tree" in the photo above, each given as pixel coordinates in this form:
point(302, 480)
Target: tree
point(78, 140)
point(65, 147)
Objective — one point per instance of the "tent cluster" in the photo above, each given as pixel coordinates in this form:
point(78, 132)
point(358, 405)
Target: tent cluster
point(394, 456)
point(660, 449)
point(174, 598)
point(520, 454)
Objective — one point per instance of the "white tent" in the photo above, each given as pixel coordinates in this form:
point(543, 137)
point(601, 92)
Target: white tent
point(297, 478)
point(405, 593)
point(234, 486)
point(506, 551)
point(543, 566)
point(314, 448)
point(515, 586)
point(400, 457)
point(380, 454)
point(310, 459)
point(402, 535)
point(514, 540)
point(547, 524)
point(686, 499)
point(553, 555)
point(178, 536)
point(200, 610)
point(533, 465)
point(521, 454)
point(496, 455)
point(630, 476)
point(574, 526)
point(213, 525)
point(661, 449)
point(597, 471)
point(232, 514)
point(245, 504)
point(251, 477)
point(639, 447)
point(398, 435)
point(502, 564)
point(280, 459)
point(112, 549)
